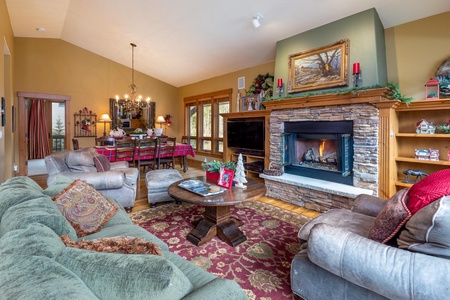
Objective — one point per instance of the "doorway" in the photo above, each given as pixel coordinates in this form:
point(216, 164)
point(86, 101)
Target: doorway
point(57, 121)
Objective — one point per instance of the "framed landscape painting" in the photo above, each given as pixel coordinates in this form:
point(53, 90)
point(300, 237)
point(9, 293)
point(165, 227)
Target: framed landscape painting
point(319, 68)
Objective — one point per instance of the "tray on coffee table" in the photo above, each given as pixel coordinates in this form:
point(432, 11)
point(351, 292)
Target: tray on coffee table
point(200, 187)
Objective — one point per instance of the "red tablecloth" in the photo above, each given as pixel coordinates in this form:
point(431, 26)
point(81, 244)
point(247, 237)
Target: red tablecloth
point(110, 152)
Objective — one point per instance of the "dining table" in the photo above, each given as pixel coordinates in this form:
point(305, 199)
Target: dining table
point(181, 150)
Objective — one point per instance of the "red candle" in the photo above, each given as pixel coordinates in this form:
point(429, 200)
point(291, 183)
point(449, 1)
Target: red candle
point(280, 82)
point(356, 68)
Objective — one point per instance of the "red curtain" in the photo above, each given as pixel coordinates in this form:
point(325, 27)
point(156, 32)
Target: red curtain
point(38, 140)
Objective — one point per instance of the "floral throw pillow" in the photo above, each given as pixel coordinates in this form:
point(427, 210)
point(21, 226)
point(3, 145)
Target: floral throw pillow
point(117, 244)
point(391, 218)
point(86, 209)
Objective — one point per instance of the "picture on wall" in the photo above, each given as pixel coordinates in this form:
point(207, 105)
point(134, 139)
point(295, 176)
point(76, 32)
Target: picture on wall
point(319, 68)
point(252, 102)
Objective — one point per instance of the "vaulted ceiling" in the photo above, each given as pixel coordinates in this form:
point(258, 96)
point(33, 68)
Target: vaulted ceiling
point(182, 42)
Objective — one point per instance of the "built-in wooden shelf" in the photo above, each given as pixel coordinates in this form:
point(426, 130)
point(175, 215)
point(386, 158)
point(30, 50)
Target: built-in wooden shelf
point(420, 161)
point(418, 135)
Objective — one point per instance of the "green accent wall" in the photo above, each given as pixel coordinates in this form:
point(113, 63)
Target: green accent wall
point(366, 36)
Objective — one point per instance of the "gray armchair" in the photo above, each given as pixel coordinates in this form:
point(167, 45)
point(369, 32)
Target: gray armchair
point(119, 182)
point(339, 261)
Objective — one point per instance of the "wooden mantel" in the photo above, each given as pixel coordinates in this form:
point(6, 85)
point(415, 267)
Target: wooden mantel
point(372, 96)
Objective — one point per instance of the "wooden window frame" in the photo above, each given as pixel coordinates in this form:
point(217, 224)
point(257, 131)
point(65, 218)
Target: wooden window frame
point(213, 99)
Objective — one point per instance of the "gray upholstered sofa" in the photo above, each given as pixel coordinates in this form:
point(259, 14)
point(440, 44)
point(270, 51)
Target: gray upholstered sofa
point(339, 261)
point(36, 264)
point(119, 182)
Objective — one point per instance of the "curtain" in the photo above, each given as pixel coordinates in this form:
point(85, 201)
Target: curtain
point(38, 141)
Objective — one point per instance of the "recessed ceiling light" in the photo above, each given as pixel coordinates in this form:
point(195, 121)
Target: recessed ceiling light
point(40, 29)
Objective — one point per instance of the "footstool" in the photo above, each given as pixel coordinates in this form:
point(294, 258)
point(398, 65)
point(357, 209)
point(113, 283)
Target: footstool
point(157, 182)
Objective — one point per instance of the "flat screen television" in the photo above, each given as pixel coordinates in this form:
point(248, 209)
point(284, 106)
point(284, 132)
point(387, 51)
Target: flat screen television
point(247, 134)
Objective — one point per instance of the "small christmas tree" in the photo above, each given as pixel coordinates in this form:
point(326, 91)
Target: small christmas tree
point(239, 174)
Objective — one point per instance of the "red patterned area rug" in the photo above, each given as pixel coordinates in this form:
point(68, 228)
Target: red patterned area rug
point(261, 265)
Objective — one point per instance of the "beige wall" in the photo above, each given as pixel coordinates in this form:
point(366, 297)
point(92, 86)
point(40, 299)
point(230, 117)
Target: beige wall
point(52, 66)
point(415, 50)
point(6, 75)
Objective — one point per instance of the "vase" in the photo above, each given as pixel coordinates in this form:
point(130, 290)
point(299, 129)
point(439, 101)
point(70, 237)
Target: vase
point(214, 176)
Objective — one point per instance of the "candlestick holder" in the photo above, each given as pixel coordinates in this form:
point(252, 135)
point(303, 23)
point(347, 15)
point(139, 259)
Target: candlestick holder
point(357, 79)
point(280, 90)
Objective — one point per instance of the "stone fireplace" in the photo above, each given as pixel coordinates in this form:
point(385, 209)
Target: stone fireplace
point(358, 175)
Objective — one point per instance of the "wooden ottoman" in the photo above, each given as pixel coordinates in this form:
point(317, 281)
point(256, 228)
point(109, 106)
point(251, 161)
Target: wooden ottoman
point(157, 182)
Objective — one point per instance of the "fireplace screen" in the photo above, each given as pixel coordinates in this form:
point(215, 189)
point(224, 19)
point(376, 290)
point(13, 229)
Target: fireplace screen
point(321, 150)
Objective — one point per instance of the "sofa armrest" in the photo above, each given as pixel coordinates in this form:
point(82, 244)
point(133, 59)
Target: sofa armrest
point(99, 180)
point(368, 205)
point(119, 165)
point(388, 271)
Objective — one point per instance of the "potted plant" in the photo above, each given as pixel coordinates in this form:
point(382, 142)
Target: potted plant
point(213, 167)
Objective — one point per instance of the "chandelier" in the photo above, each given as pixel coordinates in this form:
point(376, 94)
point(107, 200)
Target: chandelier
point(133, 102)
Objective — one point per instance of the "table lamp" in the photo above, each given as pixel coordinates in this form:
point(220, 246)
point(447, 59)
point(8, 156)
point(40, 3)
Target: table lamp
point(104, 118)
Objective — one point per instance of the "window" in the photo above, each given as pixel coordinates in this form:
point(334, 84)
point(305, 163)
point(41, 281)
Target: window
point(204, 125)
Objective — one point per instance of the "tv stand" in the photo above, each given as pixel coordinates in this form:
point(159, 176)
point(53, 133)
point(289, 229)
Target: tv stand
point(254, 160)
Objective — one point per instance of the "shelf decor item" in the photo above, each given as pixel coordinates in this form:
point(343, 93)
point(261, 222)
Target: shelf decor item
point(418, 173)
point(432, 89)
point(424, 127)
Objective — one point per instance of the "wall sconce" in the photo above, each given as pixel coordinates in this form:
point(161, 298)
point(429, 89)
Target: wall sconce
point(3, 111)
point(104, 118)
point(255, 21)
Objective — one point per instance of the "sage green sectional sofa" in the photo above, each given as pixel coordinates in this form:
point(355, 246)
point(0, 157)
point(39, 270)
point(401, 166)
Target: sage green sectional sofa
point(36, 264)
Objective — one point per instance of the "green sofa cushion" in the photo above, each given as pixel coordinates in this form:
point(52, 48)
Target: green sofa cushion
point(39, 210)
point(61, 182)
point(17, 190)
point(126, 276)
point(36, 239)
point(24, 277)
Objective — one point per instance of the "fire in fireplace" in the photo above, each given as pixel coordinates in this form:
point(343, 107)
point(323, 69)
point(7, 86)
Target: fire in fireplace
point(319, 149)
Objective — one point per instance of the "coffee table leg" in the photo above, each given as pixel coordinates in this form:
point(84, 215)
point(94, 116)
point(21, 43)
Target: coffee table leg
point(217, 221)
point(230, 233)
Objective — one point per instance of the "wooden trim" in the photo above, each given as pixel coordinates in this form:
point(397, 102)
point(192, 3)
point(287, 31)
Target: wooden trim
point(227, 92)
point(364, 96)
point(23, 124)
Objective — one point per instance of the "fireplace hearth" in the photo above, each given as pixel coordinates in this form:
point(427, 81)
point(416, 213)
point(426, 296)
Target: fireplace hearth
point(319, 149)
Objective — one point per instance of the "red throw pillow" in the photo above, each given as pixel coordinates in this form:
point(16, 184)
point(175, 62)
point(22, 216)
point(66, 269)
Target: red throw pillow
point(102, 163)
point(428, 190)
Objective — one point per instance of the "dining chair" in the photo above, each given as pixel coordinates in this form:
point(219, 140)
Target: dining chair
point(75, 144)
point(105, 141)
point(184, 140)
point(147, 153)
point(126, 150)
point(166, 153)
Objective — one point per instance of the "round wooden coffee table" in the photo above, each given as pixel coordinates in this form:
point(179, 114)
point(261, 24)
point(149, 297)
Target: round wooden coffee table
point(217, 219)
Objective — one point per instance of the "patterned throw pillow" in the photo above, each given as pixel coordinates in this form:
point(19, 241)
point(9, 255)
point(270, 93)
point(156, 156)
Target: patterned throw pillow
point(428, 190)
point(391, 218)
point(117, 244)
point(86, 209)
point(102, 163)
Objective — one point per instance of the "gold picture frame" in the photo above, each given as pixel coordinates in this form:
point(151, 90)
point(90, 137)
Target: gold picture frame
point(319, 68)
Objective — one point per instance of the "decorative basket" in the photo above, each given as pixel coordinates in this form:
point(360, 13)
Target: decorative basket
point(273, 170)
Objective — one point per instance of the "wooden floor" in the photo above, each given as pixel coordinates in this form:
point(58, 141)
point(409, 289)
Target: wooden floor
point(195, 169)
